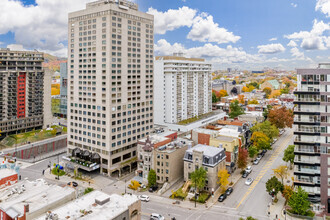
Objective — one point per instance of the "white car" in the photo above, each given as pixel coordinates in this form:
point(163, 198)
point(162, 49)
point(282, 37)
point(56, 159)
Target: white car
point(1, 153)
point(248, 169)
point(256, 161)
point(144, 198)
point(155, 216)
point(248, 181)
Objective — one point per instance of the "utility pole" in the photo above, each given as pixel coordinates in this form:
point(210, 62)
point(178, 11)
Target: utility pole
point(58, 167)
point(125, 186)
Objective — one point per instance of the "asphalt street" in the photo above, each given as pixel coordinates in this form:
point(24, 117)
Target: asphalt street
point(245, 201)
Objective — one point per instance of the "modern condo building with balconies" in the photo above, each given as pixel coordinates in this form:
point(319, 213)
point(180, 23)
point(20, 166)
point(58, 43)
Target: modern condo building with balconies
point(110, 85)
point(312, 138)
point(24, 92)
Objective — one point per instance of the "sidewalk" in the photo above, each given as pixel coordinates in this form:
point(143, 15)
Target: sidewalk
point(235, 177)
point(276, 209)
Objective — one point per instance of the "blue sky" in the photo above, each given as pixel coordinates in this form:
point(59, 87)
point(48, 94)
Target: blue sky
point(244, 34)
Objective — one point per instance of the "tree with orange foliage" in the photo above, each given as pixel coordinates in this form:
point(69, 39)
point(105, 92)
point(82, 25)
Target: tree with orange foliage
point(223, 93)
point(245, 89)
point(241, 99)
point(275, 94)
point(242, 158)
point(281, 117)
point(253, 101)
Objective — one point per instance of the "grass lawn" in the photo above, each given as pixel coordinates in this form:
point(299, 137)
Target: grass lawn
point(32, 136)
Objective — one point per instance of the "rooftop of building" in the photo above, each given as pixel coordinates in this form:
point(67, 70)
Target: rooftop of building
point(154, 138)
point(175, 145)
point(225, 138)
point(94, 205)
point(6, 172)
point(205, 131)
point(230, 122)
point(179, 56)
point(206, 149)
point(211, 155)
point(37, 194)
point(122, 3)
point(229, 132)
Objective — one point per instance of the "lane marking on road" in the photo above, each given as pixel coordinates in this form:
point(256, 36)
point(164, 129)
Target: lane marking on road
point(278, 150)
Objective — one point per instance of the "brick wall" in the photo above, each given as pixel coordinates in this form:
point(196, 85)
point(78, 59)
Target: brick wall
point(203, 138)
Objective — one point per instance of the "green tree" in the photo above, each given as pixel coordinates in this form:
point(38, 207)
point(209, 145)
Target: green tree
point(198, 178)
point(260, 141)
point(248, 218)
point(299, 202)
point(268, 91)
point(266, 111)
point(235, 109)
point(289, 155)
point(214, 98)
point(274, 185)
point(271, 131)
point(252, 151)
point(152, 178)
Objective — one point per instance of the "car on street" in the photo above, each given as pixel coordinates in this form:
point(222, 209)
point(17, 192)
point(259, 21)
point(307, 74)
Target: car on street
point(264, 152)
point(260, 156)
point(245, 174)
point(144, 198)
point(74, 184)
point(222, 197)
point(256, 161)
point(248, 181)
point(282, 131)
point(153, 188)
point(1, 153)
point(248, 169)
point(143, 186)
point(274, 141)
point(155, 216)
point(229, 190)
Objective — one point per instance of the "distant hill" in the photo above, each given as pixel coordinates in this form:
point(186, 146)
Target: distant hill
point(53, 62)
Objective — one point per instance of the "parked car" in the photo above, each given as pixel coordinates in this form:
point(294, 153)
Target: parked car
point(248, 181)
point(256, 161)
point(153, 188)
point(144, 198)
point(229, 190)
point(263, 152)
point(282, 131)
point(245, 174)
point(222, 197)
point(74, 184)
point(260, 156)
point(1, 153)
point(274, 140)
point(155, 216)
point(248, 169)
point(143, 186)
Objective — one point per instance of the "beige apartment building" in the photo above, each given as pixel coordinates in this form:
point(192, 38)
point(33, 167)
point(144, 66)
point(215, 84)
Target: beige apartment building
point(212, 159)
point(110, 84)
point(168, 160)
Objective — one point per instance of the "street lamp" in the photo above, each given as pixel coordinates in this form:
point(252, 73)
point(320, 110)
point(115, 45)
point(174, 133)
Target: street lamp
point(58, 167)
point(125, 186)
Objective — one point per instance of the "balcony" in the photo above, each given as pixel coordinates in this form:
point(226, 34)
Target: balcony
point(307, 161)
point(307, 99)
point(309, 171)
point(306, 181)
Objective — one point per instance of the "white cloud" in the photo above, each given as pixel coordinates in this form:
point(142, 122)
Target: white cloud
point(294, 5)
point(292, 44)
point(323, 6)
point(172, 19)
point(162, 47)
point(273, 39)
point(313, 40)
point(296, 53)
point(270, 48)
point(205, 30)
point(42, 26)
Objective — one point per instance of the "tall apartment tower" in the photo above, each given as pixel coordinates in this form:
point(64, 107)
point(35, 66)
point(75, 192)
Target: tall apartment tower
point(312, 139)
point(63, 89)
point(24, 104)
point(184, 88)
point(110, 92)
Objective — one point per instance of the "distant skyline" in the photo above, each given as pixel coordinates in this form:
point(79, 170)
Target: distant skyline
point(239, 34)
